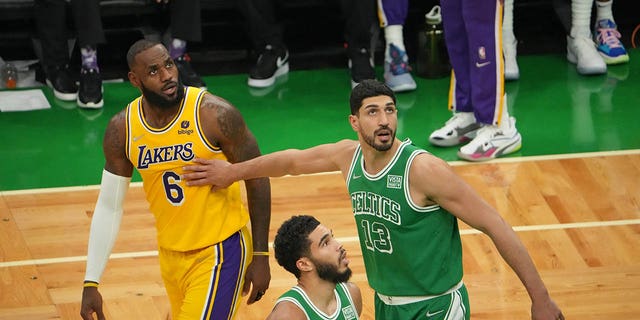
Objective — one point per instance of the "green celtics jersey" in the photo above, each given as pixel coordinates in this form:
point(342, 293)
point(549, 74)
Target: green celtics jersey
point(408, 250)
point(346, 310)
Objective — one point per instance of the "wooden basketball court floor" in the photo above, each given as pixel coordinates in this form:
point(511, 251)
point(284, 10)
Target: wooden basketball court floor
point(578, 213)
point(579, 216)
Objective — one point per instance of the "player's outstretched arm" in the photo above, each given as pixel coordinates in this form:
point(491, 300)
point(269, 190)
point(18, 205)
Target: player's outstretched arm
point(434, 181)
point(323, 158)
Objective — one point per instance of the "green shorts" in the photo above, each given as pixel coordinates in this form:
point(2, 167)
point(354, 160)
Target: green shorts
point(450, 306)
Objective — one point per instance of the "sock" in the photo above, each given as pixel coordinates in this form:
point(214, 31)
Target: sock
point(468, 116)
point(393, 34)
point(507, 22)
point(581, 18)
point(505, 123)
point(177, 48)
point(89, 57)
point(603, 11)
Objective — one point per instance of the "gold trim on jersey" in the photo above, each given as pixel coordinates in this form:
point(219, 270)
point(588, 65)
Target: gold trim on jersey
point(202, 135)
point(146, 125)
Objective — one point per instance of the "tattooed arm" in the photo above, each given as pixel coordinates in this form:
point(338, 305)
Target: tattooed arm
point(224, 127)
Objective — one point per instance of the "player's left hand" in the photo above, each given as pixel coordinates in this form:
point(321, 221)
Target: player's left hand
point(546, 310)
point(208, 172)
point(257, 278)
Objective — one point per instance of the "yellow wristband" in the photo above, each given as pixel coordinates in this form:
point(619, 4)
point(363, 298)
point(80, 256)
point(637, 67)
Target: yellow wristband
point(90, 284)
point(260, 253)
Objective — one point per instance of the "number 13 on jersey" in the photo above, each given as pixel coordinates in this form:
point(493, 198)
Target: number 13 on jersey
point(377, 236)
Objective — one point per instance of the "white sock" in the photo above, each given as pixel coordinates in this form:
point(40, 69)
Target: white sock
point(604, 10)
point(393, 34)
point(505, 122)
point(469, 117)
point(581, 18)
point(507, 22)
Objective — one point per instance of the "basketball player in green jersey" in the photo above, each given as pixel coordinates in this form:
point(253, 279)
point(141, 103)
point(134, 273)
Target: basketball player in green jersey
point(406, 203)
point(309, 251)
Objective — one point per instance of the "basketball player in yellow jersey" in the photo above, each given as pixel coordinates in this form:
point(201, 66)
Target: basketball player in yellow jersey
point(208, 258)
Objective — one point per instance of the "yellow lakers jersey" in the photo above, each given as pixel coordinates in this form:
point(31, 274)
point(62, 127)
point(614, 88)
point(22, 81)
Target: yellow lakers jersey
point(187, 217)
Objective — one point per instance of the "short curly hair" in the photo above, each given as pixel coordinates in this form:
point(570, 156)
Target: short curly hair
point(292, 241)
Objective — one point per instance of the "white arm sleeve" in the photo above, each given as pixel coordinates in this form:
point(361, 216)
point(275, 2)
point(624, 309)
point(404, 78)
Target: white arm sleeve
point(105, 223)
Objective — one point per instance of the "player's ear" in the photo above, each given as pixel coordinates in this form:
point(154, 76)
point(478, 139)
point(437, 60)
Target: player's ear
point(133, 78)
point(304, 264)
point(353, 121)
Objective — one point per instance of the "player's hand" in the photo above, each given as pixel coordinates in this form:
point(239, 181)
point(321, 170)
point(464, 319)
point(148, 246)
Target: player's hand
point(546, 310)
point(91, 303)
point(257, 278)
point(208, 172)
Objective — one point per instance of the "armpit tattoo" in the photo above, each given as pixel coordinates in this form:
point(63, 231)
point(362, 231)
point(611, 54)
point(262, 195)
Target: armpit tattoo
point(230, 122)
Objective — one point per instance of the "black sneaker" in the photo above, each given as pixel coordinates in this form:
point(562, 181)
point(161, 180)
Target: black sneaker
point(361, 66)
point(188, 76)
point(64, 86)
point(272, 62)
point(90, 93)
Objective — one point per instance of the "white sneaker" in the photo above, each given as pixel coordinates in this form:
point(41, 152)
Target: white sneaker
point(492, 142)
point(511, 70)
point(459, 129)
point(582, 51)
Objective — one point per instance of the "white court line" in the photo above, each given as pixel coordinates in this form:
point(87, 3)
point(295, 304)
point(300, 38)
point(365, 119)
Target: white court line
point(452, 163)
point(123, 255)
point(552, 157)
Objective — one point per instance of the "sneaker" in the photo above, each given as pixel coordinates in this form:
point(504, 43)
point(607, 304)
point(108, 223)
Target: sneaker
point(511, 70)
point(491, 142)
point(188, 76)
point(396, 70)
point(361, 66)
point(461, 128)
point(64, 87)
point(276, 88)
point(272, 63)
point(608, 41)
point(90, 92)
point(582, 51)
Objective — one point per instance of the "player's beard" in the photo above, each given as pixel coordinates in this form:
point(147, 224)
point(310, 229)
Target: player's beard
point(163, 101)
point(371, 139)
point(329, 272)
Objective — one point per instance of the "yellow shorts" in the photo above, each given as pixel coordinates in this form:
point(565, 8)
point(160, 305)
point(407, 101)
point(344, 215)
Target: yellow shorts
point(207, 283)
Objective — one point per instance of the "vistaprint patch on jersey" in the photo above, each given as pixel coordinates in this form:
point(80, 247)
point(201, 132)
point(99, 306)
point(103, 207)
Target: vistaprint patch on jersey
point(348, 313)
point(394, 182)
